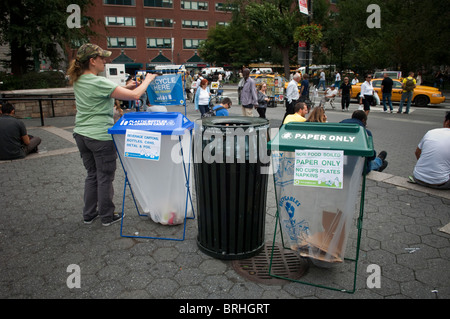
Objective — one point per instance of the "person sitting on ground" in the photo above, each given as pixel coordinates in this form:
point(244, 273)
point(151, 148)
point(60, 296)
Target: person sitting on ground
point(222, 108)
point(300, 110)
point(14, 140)
point(376, 163)
point(317, 115)
point(433, 158)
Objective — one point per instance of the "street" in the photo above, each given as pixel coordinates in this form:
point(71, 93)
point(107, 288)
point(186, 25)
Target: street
point(397, 134)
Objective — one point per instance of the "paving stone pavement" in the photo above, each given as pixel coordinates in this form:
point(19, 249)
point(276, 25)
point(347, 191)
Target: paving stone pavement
point(42, 234)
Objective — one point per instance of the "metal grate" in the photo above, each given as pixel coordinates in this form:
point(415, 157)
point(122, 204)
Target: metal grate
point(285, 263)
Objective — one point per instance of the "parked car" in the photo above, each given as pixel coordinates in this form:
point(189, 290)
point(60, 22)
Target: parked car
point(422, 96)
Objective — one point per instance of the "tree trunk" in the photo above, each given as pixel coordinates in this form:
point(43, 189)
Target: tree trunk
point(287, 68)
point(19, 57)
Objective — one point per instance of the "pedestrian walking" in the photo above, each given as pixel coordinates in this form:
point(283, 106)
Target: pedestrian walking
point(263, 99)
point(337, 79)
point(202, 97)
point(345, 91)
point(249, 97)
point(386, 91)
point(188, 87)
point(292, 95)
point(409, 84)
point(94, 99)
point(366, 95)
point(322, 80)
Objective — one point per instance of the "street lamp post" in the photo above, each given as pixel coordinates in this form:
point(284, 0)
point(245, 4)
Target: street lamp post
point(308, 45)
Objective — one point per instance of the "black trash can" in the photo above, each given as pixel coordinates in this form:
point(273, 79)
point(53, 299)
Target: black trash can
point(231, 167)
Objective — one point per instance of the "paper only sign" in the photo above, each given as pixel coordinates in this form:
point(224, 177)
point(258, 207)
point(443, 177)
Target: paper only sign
point(319, 168)
point(143, 144)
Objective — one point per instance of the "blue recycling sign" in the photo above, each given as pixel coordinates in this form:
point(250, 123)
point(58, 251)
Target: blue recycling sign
point(166, 89)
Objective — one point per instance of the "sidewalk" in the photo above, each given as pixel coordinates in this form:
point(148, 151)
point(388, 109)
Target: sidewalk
point(42, 234)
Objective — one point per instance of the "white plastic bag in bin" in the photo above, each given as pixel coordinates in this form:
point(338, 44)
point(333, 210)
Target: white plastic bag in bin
point(159, 186)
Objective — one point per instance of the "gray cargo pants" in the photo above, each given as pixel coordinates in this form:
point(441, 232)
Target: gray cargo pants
point(99, 159)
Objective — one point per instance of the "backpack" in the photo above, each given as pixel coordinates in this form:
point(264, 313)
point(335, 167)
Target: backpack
point(408, 86)
point(212, 112)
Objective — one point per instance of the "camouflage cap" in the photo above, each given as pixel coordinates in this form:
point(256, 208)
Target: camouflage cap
point(89, 50)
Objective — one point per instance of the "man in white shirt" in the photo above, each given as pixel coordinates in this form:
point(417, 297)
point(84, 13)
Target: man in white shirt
point(292, 95)
point(433, 158)
point(330, 94)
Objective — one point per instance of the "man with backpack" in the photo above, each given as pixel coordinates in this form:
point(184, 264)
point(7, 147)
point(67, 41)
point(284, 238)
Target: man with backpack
point(220, 109)
point(409, 84)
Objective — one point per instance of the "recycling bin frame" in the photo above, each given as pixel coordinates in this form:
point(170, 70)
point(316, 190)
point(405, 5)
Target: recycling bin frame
point(363, 153)
point(187, 172)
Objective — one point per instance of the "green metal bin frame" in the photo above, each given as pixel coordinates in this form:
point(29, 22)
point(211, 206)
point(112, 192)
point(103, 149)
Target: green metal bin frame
point(364, 149)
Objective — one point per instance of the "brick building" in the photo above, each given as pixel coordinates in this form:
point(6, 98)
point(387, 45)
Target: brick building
point(147, 32)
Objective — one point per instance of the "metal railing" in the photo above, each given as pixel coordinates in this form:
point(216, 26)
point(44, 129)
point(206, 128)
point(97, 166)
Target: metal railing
point(4, 99)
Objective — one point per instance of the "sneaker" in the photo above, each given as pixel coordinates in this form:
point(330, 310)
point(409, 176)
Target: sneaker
point(116, 218)
point(383, 166)
point(405, 113)
point(399, 112)
point(382, 155)
point(89, 221)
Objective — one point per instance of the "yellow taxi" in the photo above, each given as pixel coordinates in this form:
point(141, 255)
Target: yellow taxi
point(422, 96)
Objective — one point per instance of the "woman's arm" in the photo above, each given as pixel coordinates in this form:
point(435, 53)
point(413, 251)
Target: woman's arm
point(122, 93)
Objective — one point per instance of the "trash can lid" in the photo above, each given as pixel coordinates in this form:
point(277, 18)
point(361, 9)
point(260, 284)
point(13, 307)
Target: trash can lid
point(166, 123)
point(233, 121)
point(351, 138)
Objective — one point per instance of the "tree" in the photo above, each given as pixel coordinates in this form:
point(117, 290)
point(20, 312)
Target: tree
point(232, 44)
point(38, 28)
point(276, 21)
point(413, 34)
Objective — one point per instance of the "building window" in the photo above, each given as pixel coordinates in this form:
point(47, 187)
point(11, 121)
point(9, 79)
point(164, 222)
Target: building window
point(194, 5)
point(158, 23)
point(222, 23)
point(193, 24)
point(159, 43)
point(220, 6)
point(120, 2)
point(120, 21)
point(158, 3)
point(191, 43)
point(121, 42)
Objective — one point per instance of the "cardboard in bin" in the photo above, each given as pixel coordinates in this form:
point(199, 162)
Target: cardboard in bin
point(317, 245)
point(317, 220)
point(159, 185)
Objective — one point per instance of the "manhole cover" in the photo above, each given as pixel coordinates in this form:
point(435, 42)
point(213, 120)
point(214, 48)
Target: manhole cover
point(285, 263)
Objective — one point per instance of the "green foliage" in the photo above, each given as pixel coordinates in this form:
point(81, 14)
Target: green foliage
point(32, 80)
point(311, 33)
point(413, 34)
point(38, 28)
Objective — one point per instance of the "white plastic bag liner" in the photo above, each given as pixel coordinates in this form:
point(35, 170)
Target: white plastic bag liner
point(160, 187)
point(315, 220)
